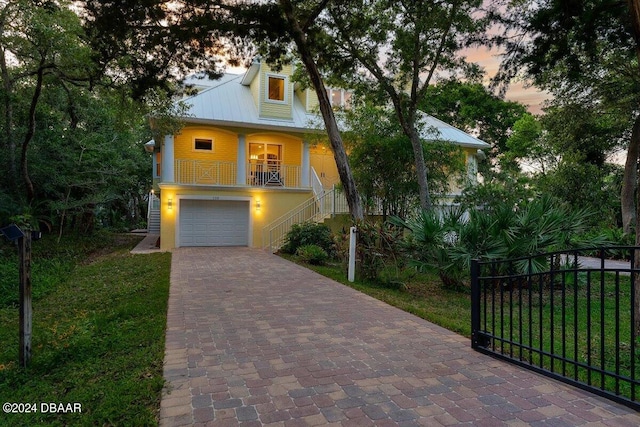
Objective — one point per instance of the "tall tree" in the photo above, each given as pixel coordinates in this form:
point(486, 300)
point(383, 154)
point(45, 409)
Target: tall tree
point(383, 163)
point(397, 49)
point(163, 36)
point(40, 41)
point(472, 107)
point(303, 29)
point(585, 51)
point(581, 47)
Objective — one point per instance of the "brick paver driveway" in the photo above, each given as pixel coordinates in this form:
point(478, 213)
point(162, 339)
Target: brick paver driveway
point(255, 340)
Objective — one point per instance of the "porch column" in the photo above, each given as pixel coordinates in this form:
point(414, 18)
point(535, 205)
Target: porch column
point(168, 173)
point(306, 165)
point(241, 168)
point(472, 169)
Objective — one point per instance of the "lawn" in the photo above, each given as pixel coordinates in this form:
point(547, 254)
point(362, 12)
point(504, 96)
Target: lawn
point(583, 321)
point(99, 317)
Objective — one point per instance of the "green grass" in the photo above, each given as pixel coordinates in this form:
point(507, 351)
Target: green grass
point(98, 336)
point(594, 333)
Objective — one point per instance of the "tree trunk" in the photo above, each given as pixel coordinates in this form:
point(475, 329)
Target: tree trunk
point(632, 157)
point(8, 118)
point(31, 130)
point(629, 182)
point(421, 170)
point(339, 153)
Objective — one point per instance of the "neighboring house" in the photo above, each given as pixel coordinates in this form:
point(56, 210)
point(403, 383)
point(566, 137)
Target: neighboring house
point(241, 171)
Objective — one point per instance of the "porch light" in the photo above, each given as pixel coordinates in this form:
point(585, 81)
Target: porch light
point(170, 203)
point(258, 205)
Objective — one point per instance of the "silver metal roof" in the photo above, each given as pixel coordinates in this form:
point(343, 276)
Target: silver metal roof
point(229, 102)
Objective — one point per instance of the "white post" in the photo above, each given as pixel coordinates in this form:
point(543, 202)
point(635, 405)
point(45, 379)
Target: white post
point(168, 174)
point(352, 254)
point(241, 169)
point(306, 164)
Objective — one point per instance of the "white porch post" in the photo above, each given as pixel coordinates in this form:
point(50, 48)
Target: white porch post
point(241, 176)
point(168, 173)
point(306, 165)
point(472, 169)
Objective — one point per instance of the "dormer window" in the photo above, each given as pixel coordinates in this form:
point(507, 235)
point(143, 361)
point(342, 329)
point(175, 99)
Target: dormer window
point(276, 88)
point(340, 98)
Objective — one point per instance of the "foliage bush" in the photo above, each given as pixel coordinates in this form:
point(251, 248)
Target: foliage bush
point(312, 254)
point(378, 252)
point(447, 243)
point(309, 233)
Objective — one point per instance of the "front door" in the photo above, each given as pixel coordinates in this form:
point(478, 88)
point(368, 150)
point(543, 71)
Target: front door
point(265, 162)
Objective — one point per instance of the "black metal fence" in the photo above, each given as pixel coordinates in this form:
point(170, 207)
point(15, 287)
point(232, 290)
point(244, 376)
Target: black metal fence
point(566, 315)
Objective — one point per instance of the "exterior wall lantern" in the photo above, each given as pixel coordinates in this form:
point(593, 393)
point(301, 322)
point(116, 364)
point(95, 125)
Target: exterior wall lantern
point(169, 203)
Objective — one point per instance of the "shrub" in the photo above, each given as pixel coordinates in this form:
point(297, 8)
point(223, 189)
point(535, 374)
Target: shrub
point(313, 254)
point(309, 233)
point(378, 251)
point(449, 243)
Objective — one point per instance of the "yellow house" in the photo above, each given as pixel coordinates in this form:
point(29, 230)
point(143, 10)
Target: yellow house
point(241, 171)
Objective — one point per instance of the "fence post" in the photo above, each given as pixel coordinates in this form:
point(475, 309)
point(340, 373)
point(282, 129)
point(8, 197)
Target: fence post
point(24, 248)
point(475, 303)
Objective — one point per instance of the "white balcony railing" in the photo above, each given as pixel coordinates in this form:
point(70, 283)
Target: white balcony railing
point(274, 175)
point(202, 172)
point(205, 172)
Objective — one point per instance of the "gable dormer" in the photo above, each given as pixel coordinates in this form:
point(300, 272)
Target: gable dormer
point(273, 91)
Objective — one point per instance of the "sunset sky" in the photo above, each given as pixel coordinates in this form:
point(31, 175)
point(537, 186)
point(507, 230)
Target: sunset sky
point(490, 61)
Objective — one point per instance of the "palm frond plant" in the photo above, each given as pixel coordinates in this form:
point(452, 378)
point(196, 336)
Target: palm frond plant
point(448, 242)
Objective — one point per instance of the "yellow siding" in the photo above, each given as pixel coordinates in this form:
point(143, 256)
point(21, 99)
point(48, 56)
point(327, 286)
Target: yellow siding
point(312, 100)
point(273, 205)
point(225, 144)
point(270, 108)
point(308, 98)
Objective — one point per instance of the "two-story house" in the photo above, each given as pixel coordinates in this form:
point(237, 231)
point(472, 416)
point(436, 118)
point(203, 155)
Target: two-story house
point(242, 162)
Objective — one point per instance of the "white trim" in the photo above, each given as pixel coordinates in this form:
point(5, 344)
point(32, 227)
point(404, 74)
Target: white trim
point(241, 161)
point(285, 90)
point(168, 156)
point(265, 160)
point(179, 197)
point(199, 150)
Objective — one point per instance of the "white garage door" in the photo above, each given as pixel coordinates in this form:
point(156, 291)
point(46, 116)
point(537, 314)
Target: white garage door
point(214, 223)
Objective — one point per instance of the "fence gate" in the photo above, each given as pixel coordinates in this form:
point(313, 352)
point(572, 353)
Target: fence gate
point(565, 315)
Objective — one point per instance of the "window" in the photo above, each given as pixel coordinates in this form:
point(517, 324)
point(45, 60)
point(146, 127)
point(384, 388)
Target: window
point(158, 163)
point(340, 98)
point(269, 154)
point(203, 144)
point(276, 88)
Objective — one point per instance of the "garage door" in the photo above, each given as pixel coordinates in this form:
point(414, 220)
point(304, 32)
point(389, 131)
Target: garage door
point(214, 223)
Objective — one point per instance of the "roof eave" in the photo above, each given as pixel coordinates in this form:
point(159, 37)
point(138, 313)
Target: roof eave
point(258, 126)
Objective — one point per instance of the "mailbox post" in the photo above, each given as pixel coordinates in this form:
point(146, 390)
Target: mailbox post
point(23, 240)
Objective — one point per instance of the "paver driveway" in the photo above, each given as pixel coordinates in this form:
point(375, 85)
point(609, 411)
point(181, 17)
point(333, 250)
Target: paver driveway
point(253, 339)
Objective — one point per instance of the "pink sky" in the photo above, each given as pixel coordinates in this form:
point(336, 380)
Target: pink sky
point(490, 61)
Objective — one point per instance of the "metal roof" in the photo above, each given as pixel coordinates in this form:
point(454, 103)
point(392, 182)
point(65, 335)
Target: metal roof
point(437, 130)
point(229, 102)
